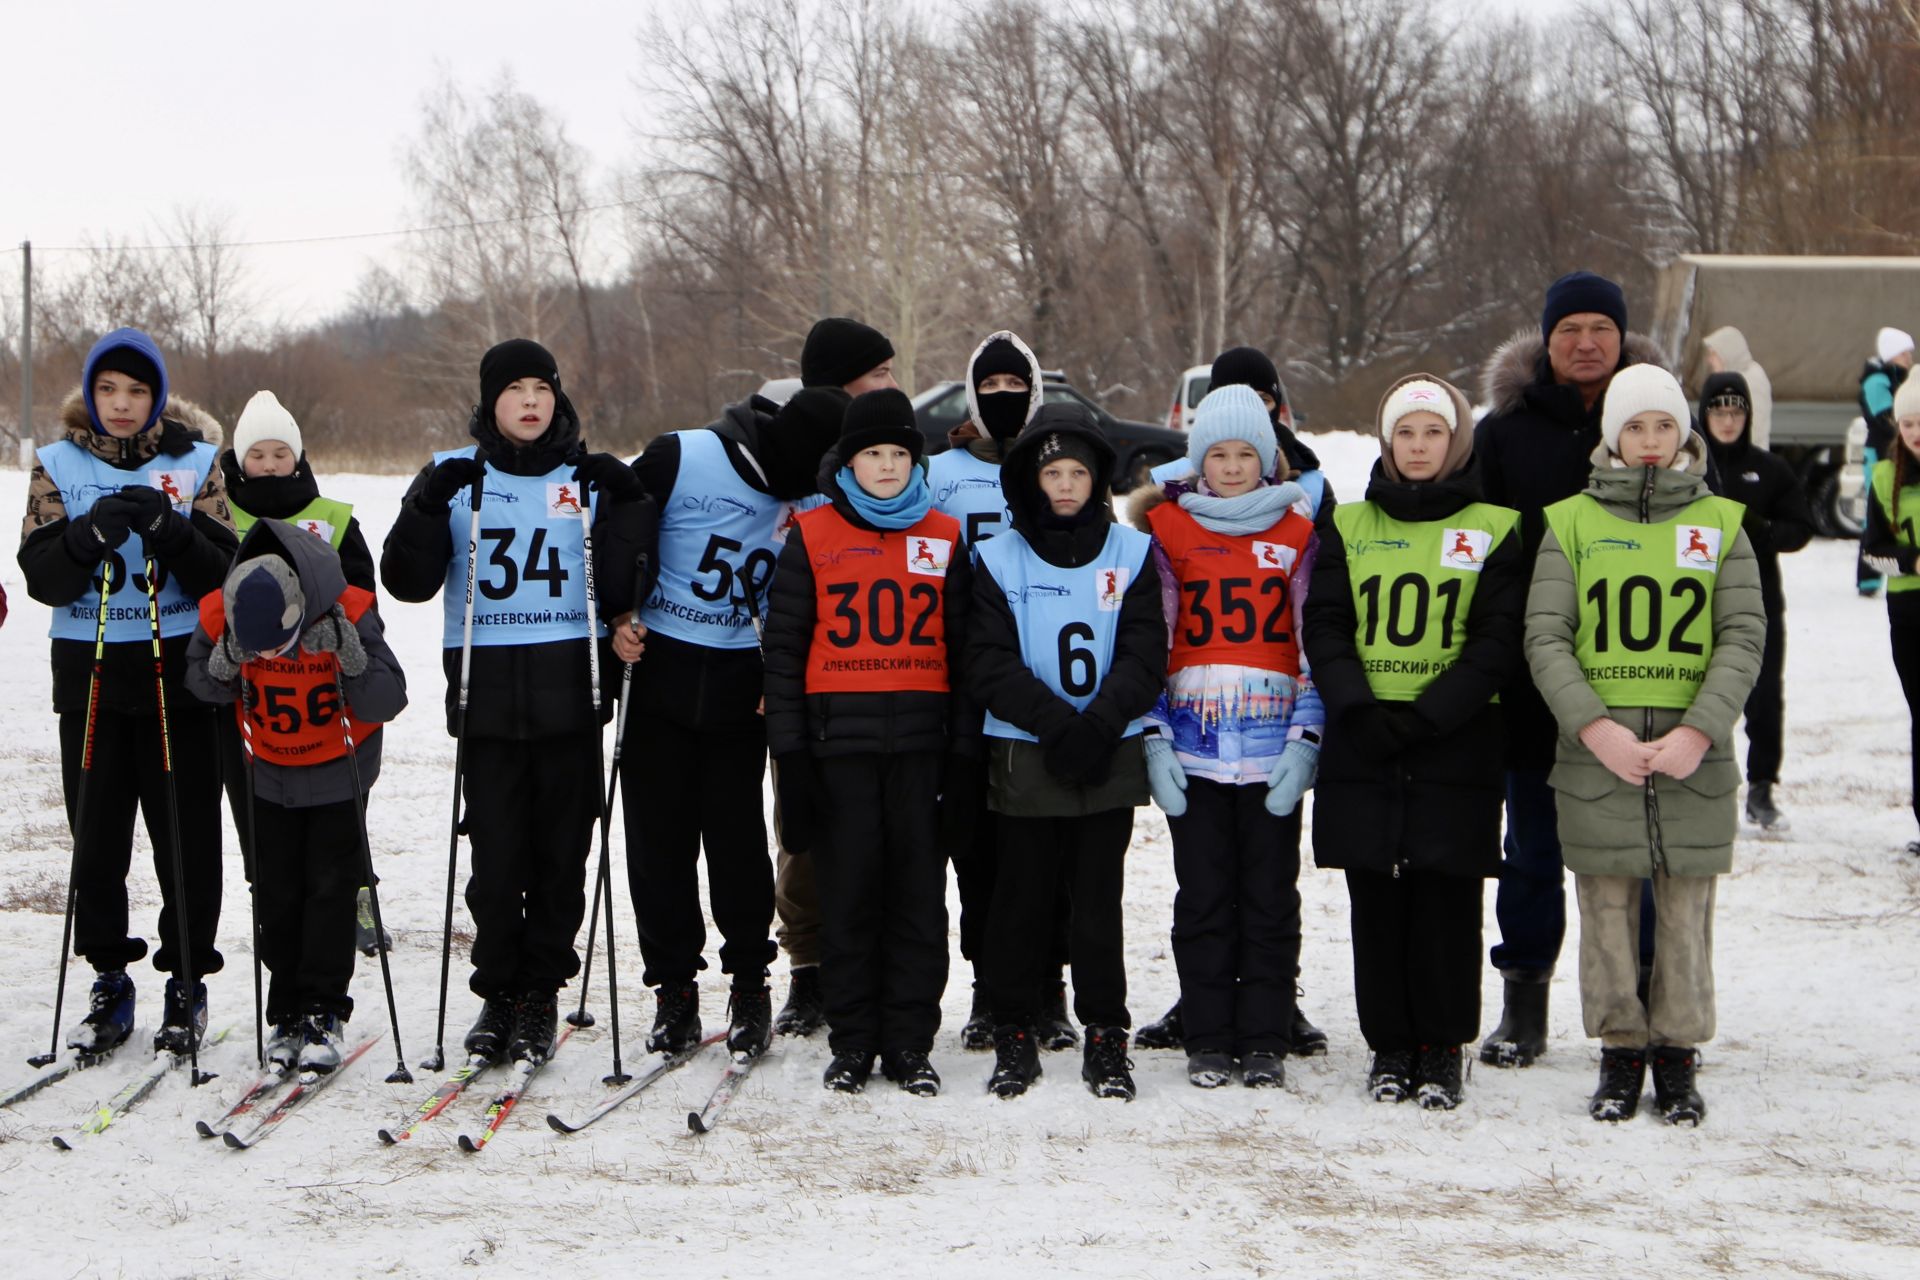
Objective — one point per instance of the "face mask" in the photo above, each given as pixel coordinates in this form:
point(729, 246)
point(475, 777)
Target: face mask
point(1003, 413)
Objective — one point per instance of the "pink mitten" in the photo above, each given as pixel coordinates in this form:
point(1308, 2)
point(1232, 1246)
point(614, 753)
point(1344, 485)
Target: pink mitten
point(1616, 747)
point(1678, 753)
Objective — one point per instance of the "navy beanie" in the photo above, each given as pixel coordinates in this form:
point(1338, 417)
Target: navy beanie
point(264, 604)
point(1579, 292)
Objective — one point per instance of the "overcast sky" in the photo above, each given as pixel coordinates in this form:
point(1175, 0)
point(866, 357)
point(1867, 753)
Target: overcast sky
point(294, 117)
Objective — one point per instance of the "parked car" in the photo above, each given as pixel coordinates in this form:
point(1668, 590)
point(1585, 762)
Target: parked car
point(1138, 446)
point(1191, 387)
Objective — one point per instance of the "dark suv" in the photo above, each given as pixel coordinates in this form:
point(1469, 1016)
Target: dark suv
point(1137, 446)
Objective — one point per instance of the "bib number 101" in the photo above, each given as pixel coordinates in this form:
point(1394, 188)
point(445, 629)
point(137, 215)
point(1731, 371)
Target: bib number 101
point(1409, 606)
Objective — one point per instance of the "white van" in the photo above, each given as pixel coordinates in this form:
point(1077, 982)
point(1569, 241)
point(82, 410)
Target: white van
point(1189, 389)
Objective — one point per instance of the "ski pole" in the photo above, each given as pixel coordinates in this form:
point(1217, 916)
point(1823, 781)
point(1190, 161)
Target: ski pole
point(80, 807)
point(182, 929)
point(400, 1074)
point(253, 881)
point(438, 1059)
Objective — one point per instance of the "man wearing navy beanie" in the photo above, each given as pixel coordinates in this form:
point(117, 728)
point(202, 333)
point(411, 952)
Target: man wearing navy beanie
point(1545, 391)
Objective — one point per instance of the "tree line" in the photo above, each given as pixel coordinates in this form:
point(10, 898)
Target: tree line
point(1358, 186)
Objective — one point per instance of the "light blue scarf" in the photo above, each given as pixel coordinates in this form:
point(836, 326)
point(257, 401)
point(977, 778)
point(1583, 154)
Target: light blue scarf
point(1251, 512)
point(902, 511)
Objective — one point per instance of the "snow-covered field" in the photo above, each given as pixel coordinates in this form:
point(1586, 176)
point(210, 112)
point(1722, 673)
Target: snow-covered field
point(1808, 1165)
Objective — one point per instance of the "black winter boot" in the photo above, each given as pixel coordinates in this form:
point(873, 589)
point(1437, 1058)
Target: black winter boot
point(910, 1069)
point(752, 1026)
point(1209, 1068)
point(1761, 810)
point(109, 1019)
point(1308, 1040)
point(978, 1033)
point(805, 1011)
point(676, 1018)
point(535, 1018)
point(1055, 1030)
point(1263, 1070)
point(1016, 1061)
point(1436, 1075)
point(1623, 1073)
point(1390, 1079)
point(1675, 1090)
point(183, 1022)
point(1522, 1034)
point(487, 1038)
point(849, 1071)
point(1106, 1067)
point(1168, 1033)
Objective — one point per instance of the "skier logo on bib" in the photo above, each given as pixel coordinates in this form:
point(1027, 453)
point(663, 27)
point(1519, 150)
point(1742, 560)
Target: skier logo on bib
point(168, 487)
point(1464, 550)
point(1697, 547)
point(922, 553)
point(562, 501)
point(1113, 588)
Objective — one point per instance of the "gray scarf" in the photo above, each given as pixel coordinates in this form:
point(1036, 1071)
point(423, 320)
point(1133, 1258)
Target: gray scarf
point(1255, 511)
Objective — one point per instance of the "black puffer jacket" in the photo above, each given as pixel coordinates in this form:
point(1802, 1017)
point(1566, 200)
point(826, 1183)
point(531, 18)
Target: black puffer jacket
point(836, 724)
point(520, 692)
point(1778, 518)
point(1436, 805)
point(1000, 681)
point(284, 497)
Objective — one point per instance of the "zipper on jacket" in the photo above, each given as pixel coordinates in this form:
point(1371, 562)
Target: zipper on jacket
point(1646, 499)
point(1656, 845)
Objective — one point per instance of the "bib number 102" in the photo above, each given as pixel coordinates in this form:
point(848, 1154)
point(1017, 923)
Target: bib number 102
point(1630, 613)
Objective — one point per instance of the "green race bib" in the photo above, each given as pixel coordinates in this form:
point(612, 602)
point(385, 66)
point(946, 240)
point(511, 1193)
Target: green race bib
point(323, 518)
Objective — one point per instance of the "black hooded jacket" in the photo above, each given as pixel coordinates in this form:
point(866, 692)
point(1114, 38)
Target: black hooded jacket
point(284, 497)
point(1778, 518)
point(520, 692)
point(1436, 805)
point(998, 678)
point(832, 724)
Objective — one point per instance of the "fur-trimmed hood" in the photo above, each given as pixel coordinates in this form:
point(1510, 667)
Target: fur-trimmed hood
point(1521, 362)
point(182, 422)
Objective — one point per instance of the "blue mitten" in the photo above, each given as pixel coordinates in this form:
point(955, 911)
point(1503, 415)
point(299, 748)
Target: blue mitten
point(1165, 778)
point(1292, 775)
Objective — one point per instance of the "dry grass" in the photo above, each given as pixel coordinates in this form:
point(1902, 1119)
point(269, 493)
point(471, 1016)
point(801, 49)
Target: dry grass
point(40, 892)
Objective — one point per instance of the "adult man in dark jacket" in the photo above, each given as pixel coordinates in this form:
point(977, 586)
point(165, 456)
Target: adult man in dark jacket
point(1534, 448)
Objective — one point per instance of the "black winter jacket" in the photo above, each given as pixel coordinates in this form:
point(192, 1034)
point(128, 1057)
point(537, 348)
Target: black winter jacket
point(283, 497)
point(197, 559)
point(1436, 805)
point(834, 724)
point(1778, 518)
point(998, 678)
point(520, 692)
point(1881, 539)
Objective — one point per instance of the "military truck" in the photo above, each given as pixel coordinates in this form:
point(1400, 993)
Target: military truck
point(1809, 322)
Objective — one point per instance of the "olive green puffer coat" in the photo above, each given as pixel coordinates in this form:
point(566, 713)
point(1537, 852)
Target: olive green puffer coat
point(1610, 827)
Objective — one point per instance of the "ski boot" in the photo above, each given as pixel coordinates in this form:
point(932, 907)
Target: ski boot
point(1055, 1030)
point(910, 1069)
point(183, 1023)
point(1209, 1068)
point(1761, 811)
point(1522, 1034)
point(676, 1018)
point(322, 1036)
point(1105, 1066)
point(1168, 1033)
point(487, 1038)
point(365, 938)
point(1436, 1075)
point(1016, 1061)
point(849, 1071)
point(1390, 1079)
point(1308, 1041)
point(1263, 1069)
point(1623, 1073)
point(283, 1045)
point(109, 1019)
point(752, 1023)
point(978, 1033)
point(1675, 1091)
point(804, 1012)
point(536, 1016)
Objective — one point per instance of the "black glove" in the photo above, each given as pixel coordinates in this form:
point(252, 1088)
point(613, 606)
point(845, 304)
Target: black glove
point(153, 515)
point(609, 475)
point(795, 792)
point(448, 479)
point(101, 528)
point(1380, 730)
point(1080, 752)
point(962, 792)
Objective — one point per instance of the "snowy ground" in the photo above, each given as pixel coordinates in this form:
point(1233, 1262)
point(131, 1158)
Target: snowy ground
point(1808, 1164)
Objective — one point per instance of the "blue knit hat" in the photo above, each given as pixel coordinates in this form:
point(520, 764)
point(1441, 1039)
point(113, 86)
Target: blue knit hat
point(1579, 292)
point(1232, 413)
point(264, 604)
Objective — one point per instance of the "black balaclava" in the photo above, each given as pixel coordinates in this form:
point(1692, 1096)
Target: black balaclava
point(792, 444)
point(1003, 413)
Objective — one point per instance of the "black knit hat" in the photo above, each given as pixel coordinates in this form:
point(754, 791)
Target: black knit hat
point(507, 363)
point(1579, 292)
point(880, 417)
point(838, 350)
point(1722, 387)
point(1001, 356)
point(132, 363)
point(1247, 367)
